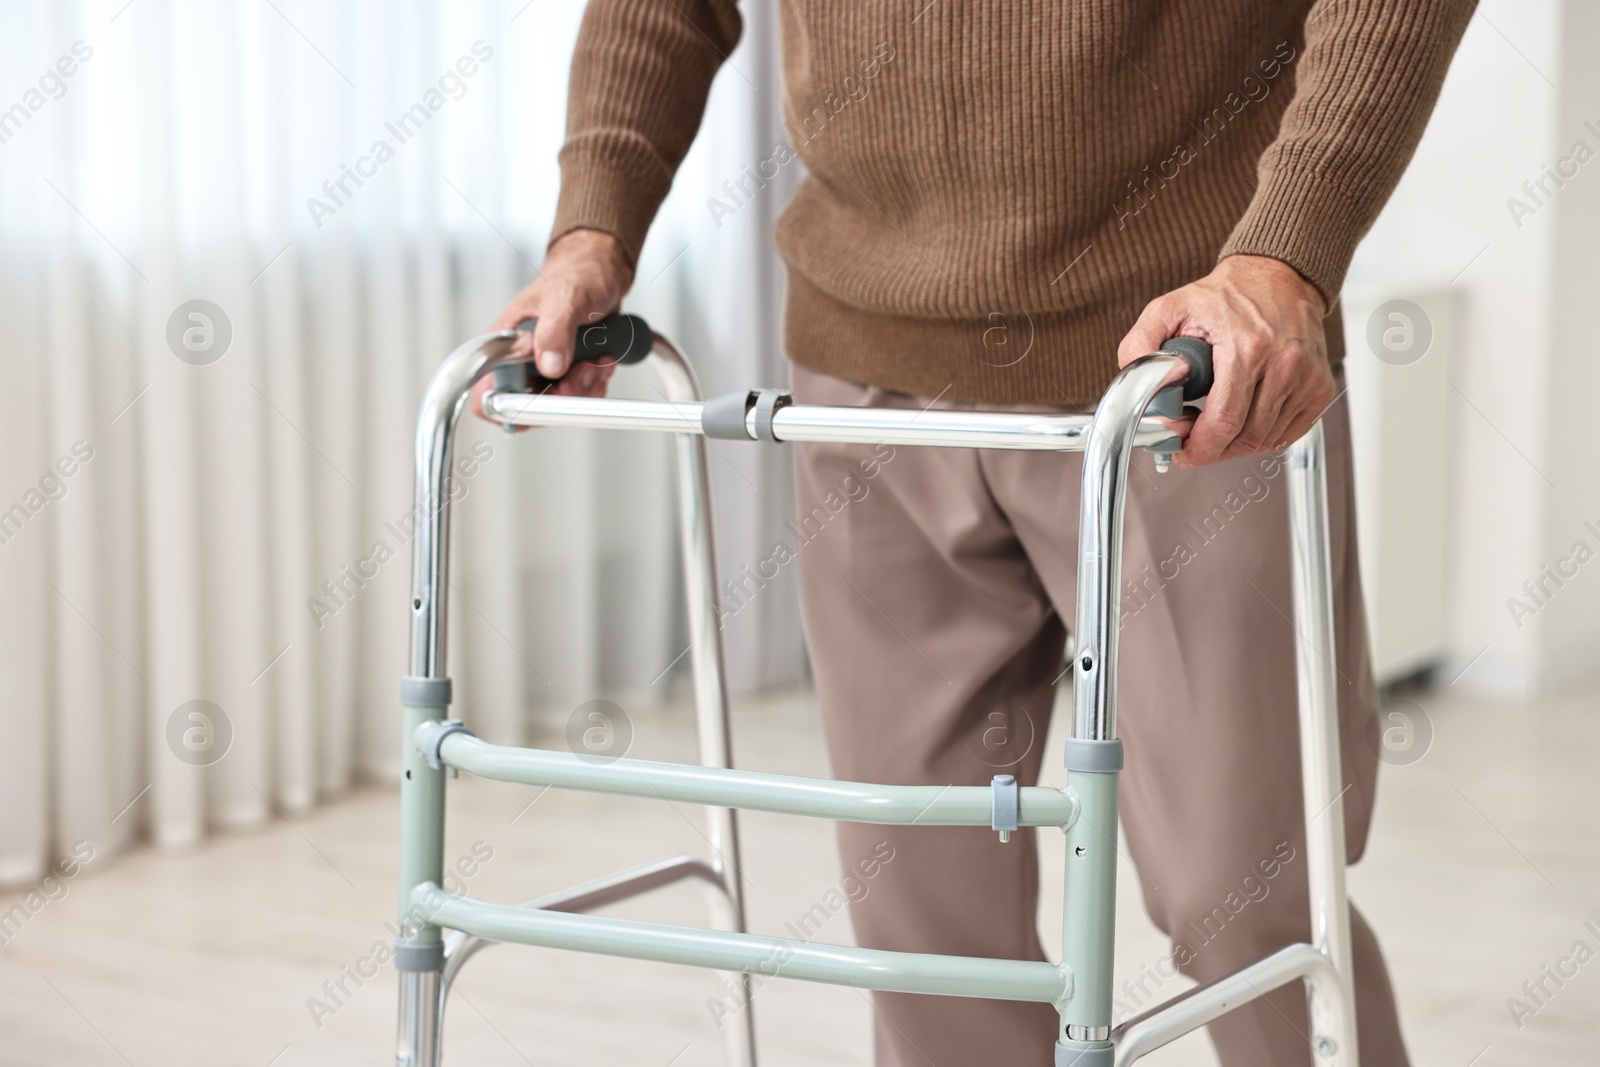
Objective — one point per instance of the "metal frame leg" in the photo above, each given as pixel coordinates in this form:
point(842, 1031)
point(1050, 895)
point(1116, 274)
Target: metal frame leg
point(419, 1017)
point(1189, 1011)
point(427, 965)
point(419, 952)
point(1332, 1003)
point(1094, 755)
point(677, 382)
point(1326, 965)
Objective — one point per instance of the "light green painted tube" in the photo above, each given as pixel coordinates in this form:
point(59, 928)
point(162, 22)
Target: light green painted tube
point(421, 826)
point(864, 968)
point(1090, 907)
point(899, 805)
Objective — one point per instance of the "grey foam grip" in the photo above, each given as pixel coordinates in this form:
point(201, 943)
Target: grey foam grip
point(723, 416)
point(623, 338)
point(614, 339)
point(418, 692)
point(1197, 354)
point(1098, 756)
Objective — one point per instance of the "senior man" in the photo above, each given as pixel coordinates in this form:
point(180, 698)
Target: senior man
point(996, 191)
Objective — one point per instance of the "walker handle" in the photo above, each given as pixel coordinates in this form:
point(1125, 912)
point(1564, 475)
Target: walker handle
point(1197, 354)
point(617, 338)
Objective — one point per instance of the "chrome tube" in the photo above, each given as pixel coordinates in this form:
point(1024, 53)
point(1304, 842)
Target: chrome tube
point(595, 413)
point(769, 957)
point(1094, 757)
point(676, 380)
point(784, 794)
point(1194, 1008)
point(817, 422)
point(418, 1044)
point(433, 455)
point(421, 787)
point(934, 426)
point(1332, 1003)
point(1112, 435)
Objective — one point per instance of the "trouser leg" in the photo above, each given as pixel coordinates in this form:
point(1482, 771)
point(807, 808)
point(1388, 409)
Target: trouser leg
point(926, 615)
point(933, 647)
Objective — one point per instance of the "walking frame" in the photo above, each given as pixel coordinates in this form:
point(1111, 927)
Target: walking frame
point(1129, 416)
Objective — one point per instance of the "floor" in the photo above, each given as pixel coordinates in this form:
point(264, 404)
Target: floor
point(1482, 872)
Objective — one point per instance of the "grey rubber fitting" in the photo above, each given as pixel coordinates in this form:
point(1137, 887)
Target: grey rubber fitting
point(722, 416)
point(768, 405)
point(1168, 403)
point(1099, 756)
point(419, 957)
point(1067, 1056)
point(1003, 797)
point(418, 692)
point(436, 738)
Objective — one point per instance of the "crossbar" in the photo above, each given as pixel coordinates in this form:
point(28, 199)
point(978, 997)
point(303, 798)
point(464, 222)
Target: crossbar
point(770, 957)
point(1024, 431)
point(863, 802)
point(1194, 1008)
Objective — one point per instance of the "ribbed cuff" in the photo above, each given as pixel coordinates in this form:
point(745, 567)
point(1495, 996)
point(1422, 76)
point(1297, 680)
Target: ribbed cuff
point(1310, 225)
point(614, 181)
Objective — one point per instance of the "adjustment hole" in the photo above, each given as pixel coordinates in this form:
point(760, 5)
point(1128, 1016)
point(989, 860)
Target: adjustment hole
point(1088, 663)
point(408, 775)
point(416, 605)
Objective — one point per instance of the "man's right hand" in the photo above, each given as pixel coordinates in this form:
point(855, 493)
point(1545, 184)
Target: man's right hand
point(584, 277)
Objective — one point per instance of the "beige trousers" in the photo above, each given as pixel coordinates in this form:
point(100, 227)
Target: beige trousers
point(934, 584)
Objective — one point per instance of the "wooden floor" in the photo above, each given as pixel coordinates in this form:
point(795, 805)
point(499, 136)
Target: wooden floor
point(1483, 869)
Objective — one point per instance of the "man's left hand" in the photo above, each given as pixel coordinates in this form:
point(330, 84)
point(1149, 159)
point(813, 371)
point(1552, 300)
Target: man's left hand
point(1264, 323)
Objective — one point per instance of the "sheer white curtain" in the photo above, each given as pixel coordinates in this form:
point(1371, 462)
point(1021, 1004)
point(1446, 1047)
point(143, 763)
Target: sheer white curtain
point(204, 541)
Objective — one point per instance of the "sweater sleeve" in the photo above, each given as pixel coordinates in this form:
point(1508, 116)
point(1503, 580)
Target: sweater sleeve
point(640, 77)
point(1367, 80)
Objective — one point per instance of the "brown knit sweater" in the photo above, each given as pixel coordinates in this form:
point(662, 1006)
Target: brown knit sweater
point(996, 188)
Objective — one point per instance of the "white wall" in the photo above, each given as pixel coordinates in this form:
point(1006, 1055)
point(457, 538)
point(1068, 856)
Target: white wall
point(1523, 480)
point(1571, 622)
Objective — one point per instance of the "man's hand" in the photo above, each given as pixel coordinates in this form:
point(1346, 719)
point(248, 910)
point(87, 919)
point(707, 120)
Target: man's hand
point(583, 279)
point(1264, 323)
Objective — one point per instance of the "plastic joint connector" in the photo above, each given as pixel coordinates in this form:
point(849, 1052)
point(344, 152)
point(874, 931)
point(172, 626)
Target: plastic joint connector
point(726, 417)
point(1004, 797)
point(420, 692)
point(768, 403)
point(1169, 405)
point(1100, 757)
point(1074, 1056)
point(418, 957)
point(436, 738)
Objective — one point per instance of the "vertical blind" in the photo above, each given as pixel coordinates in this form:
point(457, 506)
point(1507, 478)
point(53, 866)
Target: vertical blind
point(236, 239)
